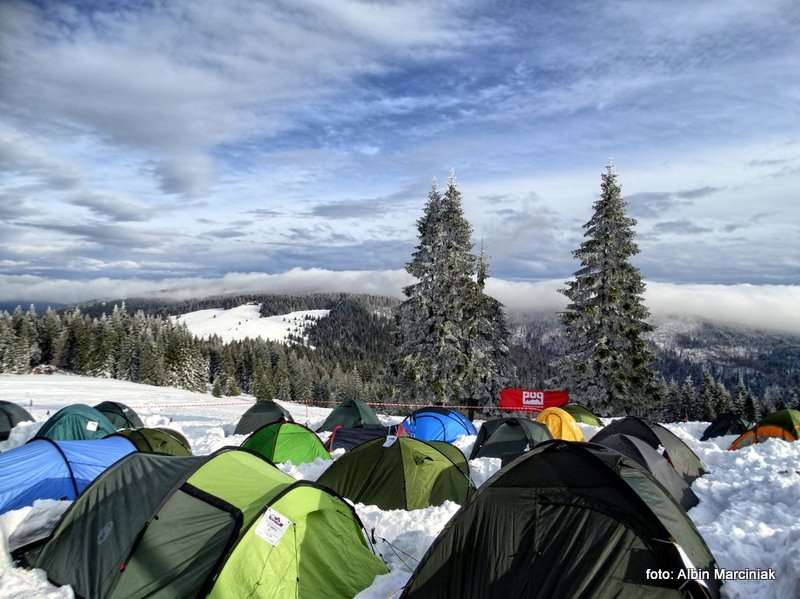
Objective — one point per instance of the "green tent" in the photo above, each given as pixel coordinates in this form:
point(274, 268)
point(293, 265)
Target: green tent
point(11, 415)
point(508, 438)
point(261, 414)
point(119, 414)
point(581, 414)
point(567, 519)
point(783, 424)
point(225, 525)
point(156, 440)
point(183, 440)
point(350, 414)
point(75, 423)
point(401, 473)
point(287, 442)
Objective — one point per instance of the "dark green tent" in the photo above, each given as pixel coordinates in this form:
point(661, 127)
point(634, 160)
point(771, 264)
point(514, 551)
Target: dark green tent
point(261, 414)
point(400, 473)
point(350, 414)
point(566, 519)
point(682, 458)
point(183, 440)
point(727, 423)
point(221, 526)
point(581, 414)
point(508, 438)
point(75, 423)
point(656, 464)
point(119, 414)
point(11, 415)
point(286, 442)
point(156, 440)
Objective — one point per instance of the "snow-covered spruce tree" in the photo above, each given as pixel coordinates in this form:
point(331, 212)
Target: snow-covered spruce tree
point(607, 365)
point(709, 397)
point(451, 337)
point(690, 406)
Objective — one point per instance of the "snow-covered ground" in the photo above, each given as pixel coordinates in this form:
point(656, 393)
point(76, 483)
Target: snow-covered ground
point(749, 499)
point(244, 321)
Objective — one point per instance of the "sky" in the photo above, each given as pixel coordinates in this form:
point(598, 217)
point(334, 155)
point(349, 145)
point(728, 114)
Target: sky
point(150, 146)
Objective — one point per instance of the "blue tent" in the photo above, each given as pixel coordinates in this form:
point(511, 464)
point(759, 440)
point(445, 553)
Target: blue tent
point(45, 469)
point(437, 424)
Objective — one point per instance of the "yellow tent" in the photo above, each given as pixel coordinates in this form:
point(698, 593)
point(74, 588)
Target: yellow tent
point(560, 424)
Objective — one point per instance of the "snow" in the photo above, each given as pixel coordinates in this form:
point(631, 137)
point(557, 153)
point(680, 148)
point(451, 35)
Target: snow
point(749, 499)
point(244, 322)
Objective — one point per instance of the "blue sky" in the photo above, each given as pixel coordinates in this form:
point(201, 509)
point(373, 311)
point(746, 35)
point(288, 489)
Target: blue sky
point(161, 141)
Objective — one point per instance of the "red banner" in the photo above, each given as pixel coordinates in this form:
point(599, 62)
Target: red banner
point(532, 400)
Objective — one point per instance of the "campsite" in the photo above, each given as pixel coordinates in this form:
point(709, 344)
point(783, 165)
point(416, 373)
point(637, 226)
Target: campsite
point(399, 299)
point(400, 540)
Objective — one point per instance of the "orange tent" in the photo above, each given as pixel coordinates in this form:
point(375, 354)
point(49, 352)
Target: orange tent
point(783, 424)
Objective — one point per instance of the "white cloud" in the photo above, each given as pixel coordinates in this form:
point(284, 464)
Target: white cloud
point(768, 307)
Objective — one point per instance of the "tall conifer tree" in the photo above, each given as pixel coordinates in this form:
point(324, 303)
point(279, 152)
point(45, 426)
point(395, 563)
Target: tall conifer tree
point(608, 360)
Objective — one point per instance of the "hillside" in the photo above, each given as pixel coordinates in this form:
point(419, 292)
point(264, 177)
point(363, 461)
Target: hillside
point(245, 321)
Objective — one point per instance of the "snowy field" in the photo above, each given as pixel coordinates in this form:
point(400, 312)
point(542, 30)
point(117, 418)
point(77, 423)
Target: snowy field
point(749, 499)
point(244, 321)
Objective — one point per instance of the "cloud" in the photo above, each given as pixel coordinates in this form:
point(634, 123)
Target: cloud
point(23, 155)
point(112, 207)
point(679, 227)
point(102, 233)
point(652, 204)
point(189, 174)
point(371, 207)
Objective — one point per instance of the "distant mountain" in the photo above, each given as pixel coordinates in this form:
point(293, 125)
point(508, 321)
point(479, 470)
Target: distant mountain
point(768, 362)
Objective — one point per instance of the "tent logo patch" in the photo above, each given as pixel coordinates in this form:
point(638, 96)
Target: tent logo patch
point(105, 532)
point(272, 526)
point(390, 439)
point(91, 425)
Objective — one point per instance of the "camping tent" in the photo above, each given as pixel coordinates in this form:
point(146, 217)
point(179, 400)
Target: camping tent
point(225, 525)
point(437, 424)
point(561, 424)
point(508, 438)
point(400, 473)
point(656, 464)
point(286, 442)
point(565, 520)
point(581, 414)
point(261, 414)
point(350, 413)
point(183, 440)
point(74, 423)
point(348, 438)
point(783, 424)
point(156, 440)
point(45, 469)
point(683, 459)
point(727, 423)
point(11, 415)
point(120, 415)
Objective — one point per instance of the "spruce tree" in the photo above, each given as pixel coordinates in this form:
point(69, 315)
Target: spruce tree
point(451, 339)
point(751, 411)
point(688, 400)
point(709, 397)
point(608, 359)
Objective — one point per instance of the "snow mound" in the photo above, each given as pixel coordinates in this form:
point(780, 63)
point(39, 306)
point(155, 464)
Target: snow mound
point(245, 322)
